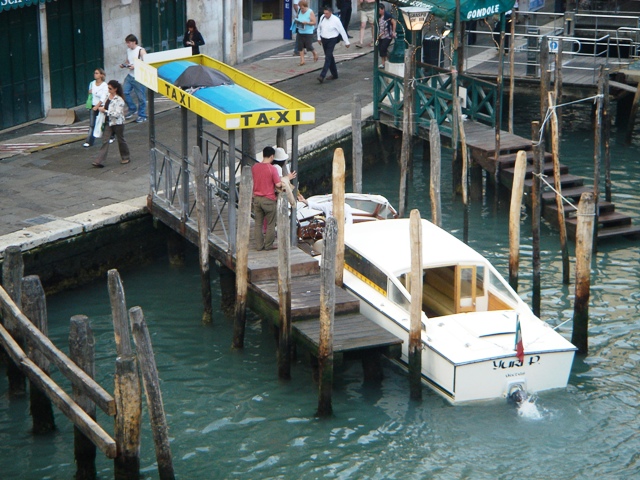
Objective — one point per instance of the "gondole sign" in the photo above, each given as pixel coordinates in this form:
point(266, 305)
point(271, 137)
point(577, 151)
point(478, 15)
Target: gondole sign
point(231, 99)
point(469, 9)
point(9, 4)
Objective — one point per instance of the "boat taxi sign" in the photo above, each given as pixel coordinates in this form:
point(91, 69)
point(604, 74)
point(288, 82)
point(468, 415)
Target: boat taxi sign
point(253, 103)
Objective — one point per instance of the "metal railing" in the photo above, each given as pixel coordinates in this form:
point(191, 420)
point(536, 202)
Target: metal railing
point(173, 182)
point(434, 97)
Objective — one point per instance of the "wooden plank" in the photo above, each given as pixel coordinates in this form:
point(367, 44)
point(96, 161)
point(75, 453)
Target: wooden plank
point(305, 297)
point(351, 332)
point(76, 375)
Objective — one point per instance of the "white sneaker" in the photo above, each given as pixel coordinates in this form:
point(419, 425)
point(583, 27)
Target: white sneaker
point(86, 144)
point(111, 140)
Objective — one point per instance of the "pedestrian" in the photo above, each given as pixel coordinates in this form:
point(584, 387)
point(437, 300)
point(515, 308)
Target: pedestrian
point(134, 51)
point(113, 108)
point(193, 38)
point(367, 15)
point(294, 25)
point(386, 33)
point(98, 91)
point(329, 32)
point(305, 22)
point(265, 181)
point(345, 15)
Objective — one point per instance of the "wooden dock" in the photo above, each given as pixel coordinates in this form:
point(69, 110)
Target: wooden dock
point(352, 330)
point(481, 143)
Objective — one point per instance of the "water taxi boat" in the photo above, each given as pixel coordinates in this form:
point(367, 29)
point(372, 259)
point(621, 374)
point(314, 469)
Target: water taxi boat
point(471, 318)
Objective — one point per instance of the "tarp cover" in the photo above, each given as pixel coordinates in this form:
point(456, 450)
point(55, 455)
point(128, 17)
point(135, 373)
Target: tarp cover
point(201, 76)
point(235, 99)
point(469, 9)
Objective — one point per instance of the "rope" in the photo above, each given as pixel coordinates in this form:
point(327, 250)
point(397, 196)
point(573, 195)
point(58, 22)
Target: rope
point(551, 109)
point(542, 176)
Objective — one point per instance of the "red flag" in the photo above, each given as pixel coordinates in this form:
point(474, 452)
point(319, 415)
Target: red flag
point(519, 344)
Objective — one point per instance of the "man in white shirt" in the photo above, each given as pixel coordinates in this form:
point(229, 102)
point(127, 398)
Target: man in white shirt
point(330, 30)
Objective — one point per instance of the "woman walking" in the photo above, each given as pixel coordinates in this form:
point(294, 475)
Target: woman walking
point(193, 38)
point(306, 22)
point(99, 92)
point(114, 110)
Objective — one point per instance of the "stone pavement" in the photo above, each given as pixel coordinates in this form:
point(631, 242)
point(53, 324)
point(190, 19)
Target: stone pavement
point(46, 175)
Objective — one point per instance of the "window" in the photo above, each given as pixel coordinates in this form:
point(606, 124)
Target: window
point(365, 270)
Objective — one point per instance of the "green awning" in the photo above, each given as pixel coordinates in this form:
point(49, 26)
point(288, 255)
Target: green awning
point(9, 4)
point(469, 9)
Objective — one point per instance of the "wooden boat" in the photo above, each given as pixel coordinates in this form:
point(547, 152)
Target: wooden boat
point(470, 318)
point(359, 207)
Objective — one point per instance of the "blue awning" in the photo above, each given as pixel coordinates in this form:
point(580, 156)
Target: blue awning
point(9, 4)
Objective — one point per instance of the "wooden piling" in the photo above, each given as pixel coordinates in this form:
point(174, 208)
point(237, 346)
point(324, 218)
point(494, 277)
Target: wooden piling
point(606, 132)
point(407, 125)
point(284, 288)
point(128, 397)
point(415, 338)
point(203, 235)
point(242, 256)
point(434, 181)
point(514, 217)
point(337, 200)
point(632, 115)
point(498, 107)
point(555, 151)
point(544, 82)
point(557, 84)
point(584, 249)
point(118, 303)
point(512, 68)
point(536, 207)
point(127, 392)
point(12, 272)
point(82, 352)
point(151, 383)
point(597, 150)
point(34, 306)
point(356, 132)
point(464, 181)
point(327, 309)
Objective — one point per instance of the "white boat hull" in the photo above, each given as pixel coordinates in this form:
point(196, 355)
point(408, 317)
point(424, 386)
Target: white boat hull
point(483, 379)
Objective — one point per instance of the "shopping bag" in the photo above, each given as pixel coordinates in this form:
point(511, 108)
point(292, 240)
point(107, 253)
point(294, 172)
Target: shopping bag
point(97, 130)
point(89, 103)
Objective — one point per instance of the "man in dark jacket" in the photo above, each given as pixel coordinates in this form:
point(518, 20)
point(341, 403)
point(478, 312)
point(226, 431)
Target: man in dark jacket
point(345, 15)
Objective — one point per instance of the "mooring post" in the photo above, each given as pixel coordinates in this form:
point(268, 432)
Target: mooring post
point(606, 126)
point(538, 152)
point(555, 151)
point(498, 107)
point(337, 200)
point(152, 391)
point(435, 167)
point(512, 67)
point(465, 154)
point(12, 272)
point(284, 288)
point(632, 115)
point(407, 124)
point(557, 84)
point(597, 153)
point(127, 392)
point(203, 235)
point(327, 309)
point(584, 250)
point(415, 338)
point(545, 83)
point(242, 256)
point(515, 211)
point(356, 132)
point(34, 306)
point(82, 352)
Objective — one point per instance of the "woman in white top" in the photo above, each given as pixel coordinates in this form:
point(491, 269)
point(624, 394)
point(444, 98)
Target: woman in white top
point(98, 90)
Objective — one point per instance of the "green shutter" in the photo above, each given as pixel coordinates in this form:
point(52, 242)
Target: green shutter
point(162, 24)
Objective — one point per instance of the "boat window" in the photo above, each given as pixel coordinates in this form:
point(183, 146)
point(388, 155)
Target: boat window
point(365, 270)
point(497, 287)
point(397, 296)
point(479, 281)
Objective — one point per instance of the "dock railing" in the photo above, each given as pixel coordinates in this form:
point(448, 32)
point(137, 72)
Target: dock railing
point(173, 181)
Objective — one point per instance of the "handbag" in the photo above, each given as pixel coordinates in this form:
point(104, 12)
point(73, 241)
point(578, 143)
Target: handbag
point(97, 130)
point(89, 103)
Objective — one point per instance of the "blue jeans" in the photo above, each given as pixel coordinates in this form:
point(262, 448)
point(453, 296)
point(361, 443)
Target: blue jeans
point(328, 44)
point(131, 85)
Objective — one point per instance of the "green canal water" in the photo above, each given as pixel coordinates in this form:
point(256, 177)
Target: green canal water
point(230, 417)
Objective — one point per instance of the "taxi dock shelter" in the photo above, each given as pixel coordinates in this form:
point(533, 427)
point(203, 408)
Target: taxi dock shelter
point(240, 105)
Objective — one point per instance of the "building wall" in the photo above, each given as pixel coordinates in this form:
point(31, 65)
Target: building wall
point(209, 19)
point(119, 19)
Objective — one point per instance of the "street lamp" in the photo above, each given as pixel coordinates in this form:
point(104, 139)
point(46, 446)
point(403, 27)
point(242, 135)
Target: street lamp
point(415, 17)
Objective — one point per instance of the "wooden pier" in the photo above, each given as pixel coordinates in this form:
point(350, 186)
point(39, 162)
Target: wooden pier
point(480, 140)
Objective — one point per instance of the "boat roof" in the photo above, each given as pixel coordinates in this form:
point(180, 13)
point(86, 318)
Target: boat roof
point(387, 244)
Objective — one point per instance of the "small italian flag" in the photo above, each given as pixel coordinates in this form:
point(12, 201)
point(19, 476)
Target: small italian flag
point(519, 345)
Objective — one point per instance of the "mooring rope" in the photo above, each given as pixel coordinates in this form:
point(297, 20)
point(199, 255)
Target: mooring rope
point(542, 176)
point(550, 109)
